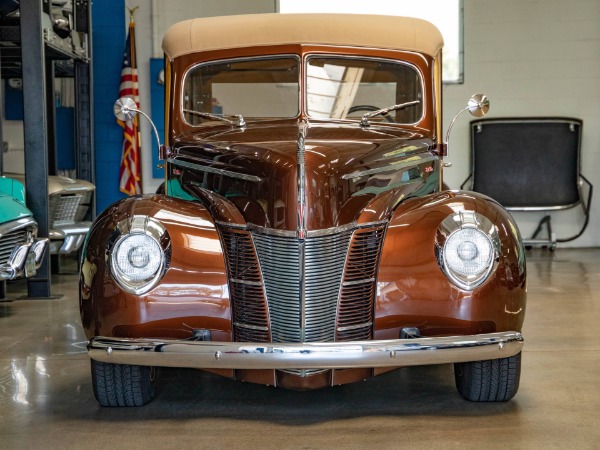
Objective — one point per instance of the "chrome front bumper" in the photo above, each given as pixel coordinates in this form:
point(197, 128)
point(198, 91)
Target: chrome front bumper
point(24, 260)
point(65, 239)
point(322, 355)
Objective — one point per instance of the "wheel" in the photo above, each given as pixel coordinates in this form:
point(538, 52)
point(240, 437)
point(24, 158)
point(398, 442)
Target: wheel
point(123, 384)
point(495, 380)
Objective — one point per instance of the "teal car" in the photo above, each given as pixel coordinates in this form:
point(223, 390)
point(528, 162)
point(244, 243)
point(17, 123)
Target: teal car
point(21, 251)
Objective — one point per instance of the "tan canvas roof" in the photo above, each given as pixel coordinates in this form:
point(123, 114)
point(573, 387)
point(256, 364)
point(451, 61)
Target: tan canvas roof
point(216, 33)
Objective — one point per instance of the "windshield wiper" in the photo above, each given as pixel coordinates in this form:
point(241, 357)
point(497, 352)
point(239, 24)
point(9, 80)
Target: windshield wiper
point(240, 122)
point(364, 122)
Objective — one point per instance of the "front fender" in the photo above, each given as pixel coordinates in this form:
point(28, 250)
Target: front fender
point(414, 292)
point(193, 293)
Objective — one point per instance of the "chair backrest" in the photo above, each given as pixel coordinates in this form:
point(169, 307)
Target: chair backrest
point(528, 163)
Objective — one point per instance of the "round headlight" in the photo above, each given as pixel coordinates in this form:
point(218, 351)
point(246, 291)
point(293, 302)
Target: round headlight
point(468, 252)
point(467, 246)
point(137, 257)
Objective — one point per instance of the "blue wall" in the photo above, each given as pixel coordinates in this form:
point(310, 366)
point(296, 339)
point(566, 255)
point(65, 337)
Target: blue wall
point(108, 24)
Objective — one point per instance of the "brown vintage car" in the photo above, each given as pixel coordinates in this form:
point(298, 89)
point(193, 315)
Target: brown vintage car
point(304, 238)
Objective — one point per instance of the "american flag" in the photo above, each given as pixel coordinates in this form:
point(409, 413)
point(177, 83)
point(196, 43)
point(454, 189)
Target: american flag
point(130, 181)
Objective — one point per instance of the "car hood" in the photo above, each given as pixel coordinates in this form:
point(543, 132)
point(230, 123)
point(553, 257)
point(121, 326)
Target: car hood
point(331, 171)
point(60, 185)
point(11, 209)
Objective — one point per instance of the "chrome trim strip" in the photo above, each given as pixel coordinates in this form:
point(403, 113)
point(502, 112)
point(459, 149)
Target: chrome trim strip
point(541, 208)
point(251, 283)
point(301, 232)
point(302, 286)
point(354, 283)
point(301, 174)
point(227, 173)
point(529, 120)
point(355, 327)
point(235, 226)
point(410, 162)
point(321, 355)
point(250, 327)
point(15, 225)
point(309, 233)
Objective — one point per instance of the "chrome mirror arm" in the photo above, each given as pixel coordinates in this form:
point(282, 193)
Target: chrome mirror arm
point(478, 105)
point(126, 109)
point(452, 124)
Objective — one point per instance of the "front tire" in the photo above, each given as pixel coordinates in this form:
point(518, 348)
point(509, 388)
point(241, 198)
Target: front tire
point(495, 380)
point(123, 384)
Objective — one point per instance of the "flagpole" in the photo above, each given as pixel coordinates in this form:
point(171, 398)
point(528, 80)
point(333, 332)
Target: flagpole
point(130, 176)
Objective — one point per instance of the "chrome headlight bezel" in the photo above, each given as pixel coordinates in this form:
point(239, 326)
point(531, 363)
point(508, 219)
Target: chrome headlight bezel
point(139, 228)
point(483, 231)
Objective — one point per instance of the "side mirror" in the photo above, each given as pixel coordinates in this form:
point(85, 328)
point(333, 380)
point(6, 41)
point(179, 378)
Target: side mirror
point(478, 105)
point(126, 109)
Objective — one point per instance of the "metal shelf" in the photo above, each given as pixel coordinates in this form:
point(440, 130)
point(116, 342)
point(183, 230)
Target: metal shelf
point(31, 50)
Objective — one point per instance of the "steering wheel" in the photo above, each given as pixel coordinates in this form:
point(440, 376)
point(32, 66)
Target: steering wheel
point(370, 108)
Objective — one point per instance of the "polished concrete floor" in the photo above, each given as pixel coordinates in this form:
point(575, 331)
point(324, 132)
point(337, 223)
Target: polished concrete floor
point(46, 398)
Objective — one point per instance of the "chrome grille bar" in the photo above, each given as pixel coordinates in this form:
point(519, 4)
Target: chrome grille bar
point(9, 241)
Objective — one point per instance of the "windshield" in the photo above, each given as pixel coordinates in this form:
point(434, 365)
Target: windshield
point(344, 88)
point(254, 88)
point(336, 88)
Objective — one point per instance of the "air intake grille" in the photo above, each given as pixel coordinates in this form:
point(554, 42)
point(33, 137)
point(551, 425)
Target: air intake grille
point(250, 316)
point(355, 317)
point(9, 241)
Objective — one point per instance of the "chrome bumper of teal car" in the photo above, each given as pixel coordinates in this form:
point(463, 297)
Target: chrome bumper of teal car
point(321, 355)
point(24, 260)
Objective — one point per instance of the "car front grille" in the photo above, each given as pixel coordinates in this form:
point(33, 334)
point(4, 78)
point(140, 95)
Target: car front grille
point(279, 296)
point(294, 320)
point(9, 241)
point(68, 208)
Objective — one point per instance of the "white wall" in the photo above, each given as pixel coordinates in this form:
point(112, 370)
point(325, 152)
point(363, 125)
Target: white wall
point(533, 58)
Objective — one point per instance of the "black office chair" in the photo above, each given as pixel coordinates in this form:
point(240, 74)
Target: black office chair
point(530, 164)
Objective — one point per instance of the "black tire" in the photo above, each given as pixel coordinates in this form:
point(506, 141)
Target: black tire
point(495, 380)
point(123, 384)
